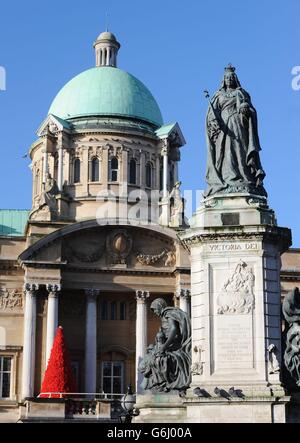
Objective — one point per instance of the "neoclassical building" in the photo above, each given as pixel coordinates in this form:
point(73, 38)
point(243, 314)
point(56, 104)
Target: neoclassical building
point(101, 240)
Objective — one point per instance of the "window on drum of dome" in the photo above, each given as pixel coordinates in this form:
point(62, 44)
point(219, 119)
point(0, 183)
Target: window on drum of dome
point(122, 311)
point(95, 170)
point(132, 172)
point(77, 170)
point(148, 175)
point(5, 376)
point(114, 169)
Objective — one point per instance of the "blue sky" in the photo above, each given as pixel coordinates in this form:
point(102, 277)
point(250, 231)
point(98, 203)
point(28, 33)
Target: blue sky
point(177, 49)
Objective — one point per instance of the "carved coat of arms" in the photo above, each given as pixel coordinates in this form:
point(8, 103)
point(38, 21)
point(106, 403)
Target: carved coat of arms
point(237, 294)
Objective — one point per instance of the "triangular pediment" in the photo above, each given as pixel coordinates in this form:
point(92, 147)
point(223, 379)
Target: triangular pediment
point(52, 125)
point(173, 133)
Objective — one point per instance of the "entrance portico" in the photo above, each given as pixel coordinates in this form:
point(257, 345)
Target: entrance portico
point(103, 305)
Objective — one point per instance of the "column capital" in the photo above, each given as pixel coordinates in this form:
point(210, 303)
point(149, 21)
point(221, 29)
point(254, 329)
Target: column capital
point(165, 148)
point(31, 288)
point(183, 293)
point(141, 296)
point(53, 289)
point(92, 293)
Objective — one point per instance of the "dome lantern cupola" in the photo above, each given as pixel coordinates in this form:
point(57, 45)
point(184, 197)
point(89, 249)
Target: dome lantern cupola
point(106, 48)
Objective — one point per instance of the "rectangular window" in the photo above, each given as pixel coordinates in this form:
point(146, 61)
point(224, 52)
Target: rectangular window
point(112, 377)
point(113, 311)
point(5, 376)
point(122, 311)
point(104, 315)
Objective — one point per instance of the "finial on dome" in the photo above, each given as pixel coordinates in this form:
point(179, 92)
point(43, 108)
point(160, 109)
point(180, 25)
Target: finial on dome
point(106, 47)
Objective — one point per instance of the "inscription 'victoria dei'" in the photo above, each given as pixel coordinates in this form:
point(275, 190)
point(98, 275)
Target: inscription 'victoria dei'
point(222, 247)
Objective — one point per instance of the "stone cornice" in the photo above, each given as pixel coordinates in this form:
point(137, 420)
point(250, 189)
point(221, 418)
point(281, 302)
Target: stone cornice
point(269, 234)
point(43, 265)
point(118, 271)
point(289, 275)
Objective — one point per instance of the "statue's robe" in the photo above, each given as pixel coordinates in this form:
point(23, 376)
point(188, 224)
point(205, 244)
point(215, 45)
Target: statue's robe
point(233, 163)
point(170, 371)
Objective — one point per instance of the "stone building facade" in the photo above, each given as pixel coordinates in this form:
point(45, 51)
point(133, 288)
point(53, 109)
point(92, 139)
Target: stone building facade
point(99, 243)
point(94, 250)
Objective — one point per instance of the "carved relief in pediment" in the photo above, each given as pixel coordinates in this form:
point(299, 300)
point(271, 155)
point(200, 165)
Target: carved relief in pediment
point(119, 246)
point(84, 248)
point(165, 258)
point(84, 257)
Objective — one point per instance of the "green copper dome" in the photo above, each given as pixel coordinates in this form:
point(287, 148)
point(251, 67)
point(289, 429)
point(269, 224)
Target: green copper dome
point(106, 91)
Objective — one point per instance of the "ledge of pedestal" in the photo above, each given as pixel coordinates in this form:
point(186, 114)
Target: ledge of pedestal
point(246, 390)
point(250, 410)
point(233, 210)
point(159, 408)
point(282, 237)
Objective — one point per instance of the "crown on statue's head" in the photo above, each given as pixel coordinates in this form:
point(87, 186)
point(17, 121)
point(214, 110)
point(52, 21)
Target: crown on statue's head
point(229, 68)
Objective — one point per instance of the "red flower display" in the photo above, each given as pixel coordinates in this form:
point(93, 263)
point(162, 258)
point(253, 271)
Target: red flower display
point(59, 376)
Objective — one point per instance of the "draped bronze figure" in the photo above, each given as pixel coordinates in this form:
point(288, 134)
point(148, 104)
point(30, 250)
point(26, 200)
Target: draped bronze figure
point(233, 163)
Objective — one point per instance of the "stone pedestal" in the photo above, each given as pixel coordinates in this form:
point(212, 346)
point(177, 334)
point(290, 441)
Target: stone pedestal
point(159, 408)
point(235, 248)
point(250, 410)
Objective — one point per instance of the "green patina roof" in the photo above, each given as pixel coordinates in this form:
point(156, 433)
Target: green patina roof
point(165, 130)
point(13, 222)
point(106, 91)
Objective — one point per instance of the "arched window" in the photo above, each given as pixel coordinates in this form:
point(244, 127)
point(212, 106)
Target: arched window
point(95, 170)
point(132, 172)
point(114, 167)
point(148, 175)
point(77, 170)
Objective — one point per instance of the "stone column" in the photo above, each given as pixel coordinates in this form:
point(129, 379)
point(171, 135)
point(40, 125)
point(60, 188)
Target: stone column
point(29, 340)
point(185, 300)
point(165, 203)
point(141, 333)
point(52, 317)
point(91, 341)
point(142, 170)
point(85, 173)
point(108, 57)
point(45, 164)
point(60, 173)
point(165, 172)
point(157, 175)
point(67, 166)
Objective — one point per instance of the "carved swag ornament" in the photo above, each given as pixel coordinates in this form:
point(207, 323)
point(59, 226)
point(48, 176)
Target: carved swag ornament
point(10, 300)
